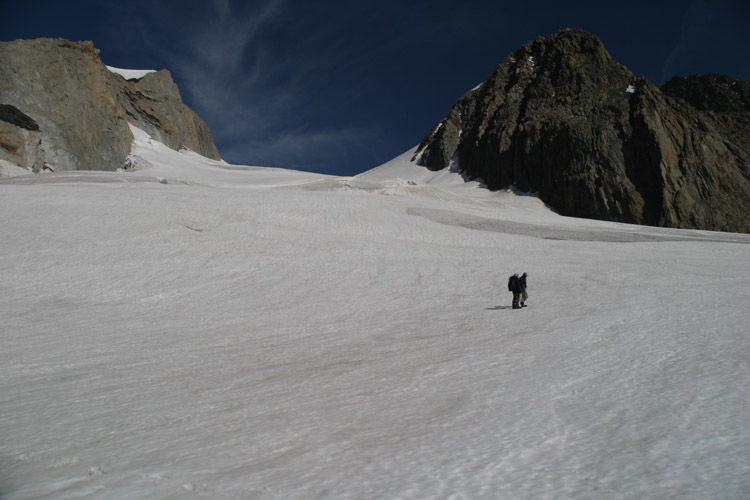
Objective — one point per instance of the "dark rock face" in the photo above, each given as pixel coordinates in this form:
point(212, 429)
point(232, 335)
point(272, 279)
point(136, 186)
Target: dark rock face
point(14, 116)
point(561, 118)
point(62, 109)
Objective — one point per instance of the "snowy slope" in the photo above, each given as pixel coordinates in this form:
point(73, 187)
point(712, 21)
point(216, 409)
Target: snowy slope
point(8, 169)
point(198, 329)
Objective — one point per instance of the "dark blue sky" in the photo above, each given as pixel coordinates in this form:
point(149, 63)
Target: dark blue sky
point(340, 87)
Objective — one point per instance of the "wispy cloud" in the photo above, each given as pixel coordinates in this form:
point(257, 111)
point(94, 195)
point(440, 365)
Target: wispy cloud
point(282, 81)
point(320, 150)
point(255, 92)
point(213, 55)
point(220, 43)
point(275, 78)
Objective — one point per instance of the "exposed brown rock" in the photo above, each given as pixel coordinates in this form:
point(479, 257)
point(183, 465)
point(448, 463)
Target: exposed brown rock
point(81, 110)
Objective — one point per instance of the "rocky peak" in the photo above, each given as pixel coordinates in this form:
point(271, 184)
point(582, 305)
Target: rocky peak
point(80, 110)
point(560, 117)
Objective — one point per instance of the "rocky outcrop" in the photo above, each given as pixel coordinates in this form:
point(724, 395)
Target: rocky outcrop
point(561, 118)
point(62, 109)
point(723, 101)
point(153, 103)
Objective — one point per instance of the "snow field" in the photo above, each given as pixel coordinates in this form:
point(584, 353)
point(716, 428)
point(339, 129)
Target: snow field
point(254, 338)
point(131, 74)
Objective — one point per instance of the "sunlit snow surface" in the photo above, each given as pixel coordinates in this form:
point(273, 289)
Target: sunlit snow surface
point(194, 329)
point(131, 74)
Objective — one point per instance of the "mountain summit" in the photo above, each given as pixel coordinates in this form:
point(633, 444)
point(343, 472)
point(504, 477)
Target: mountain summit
point(562, 118)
